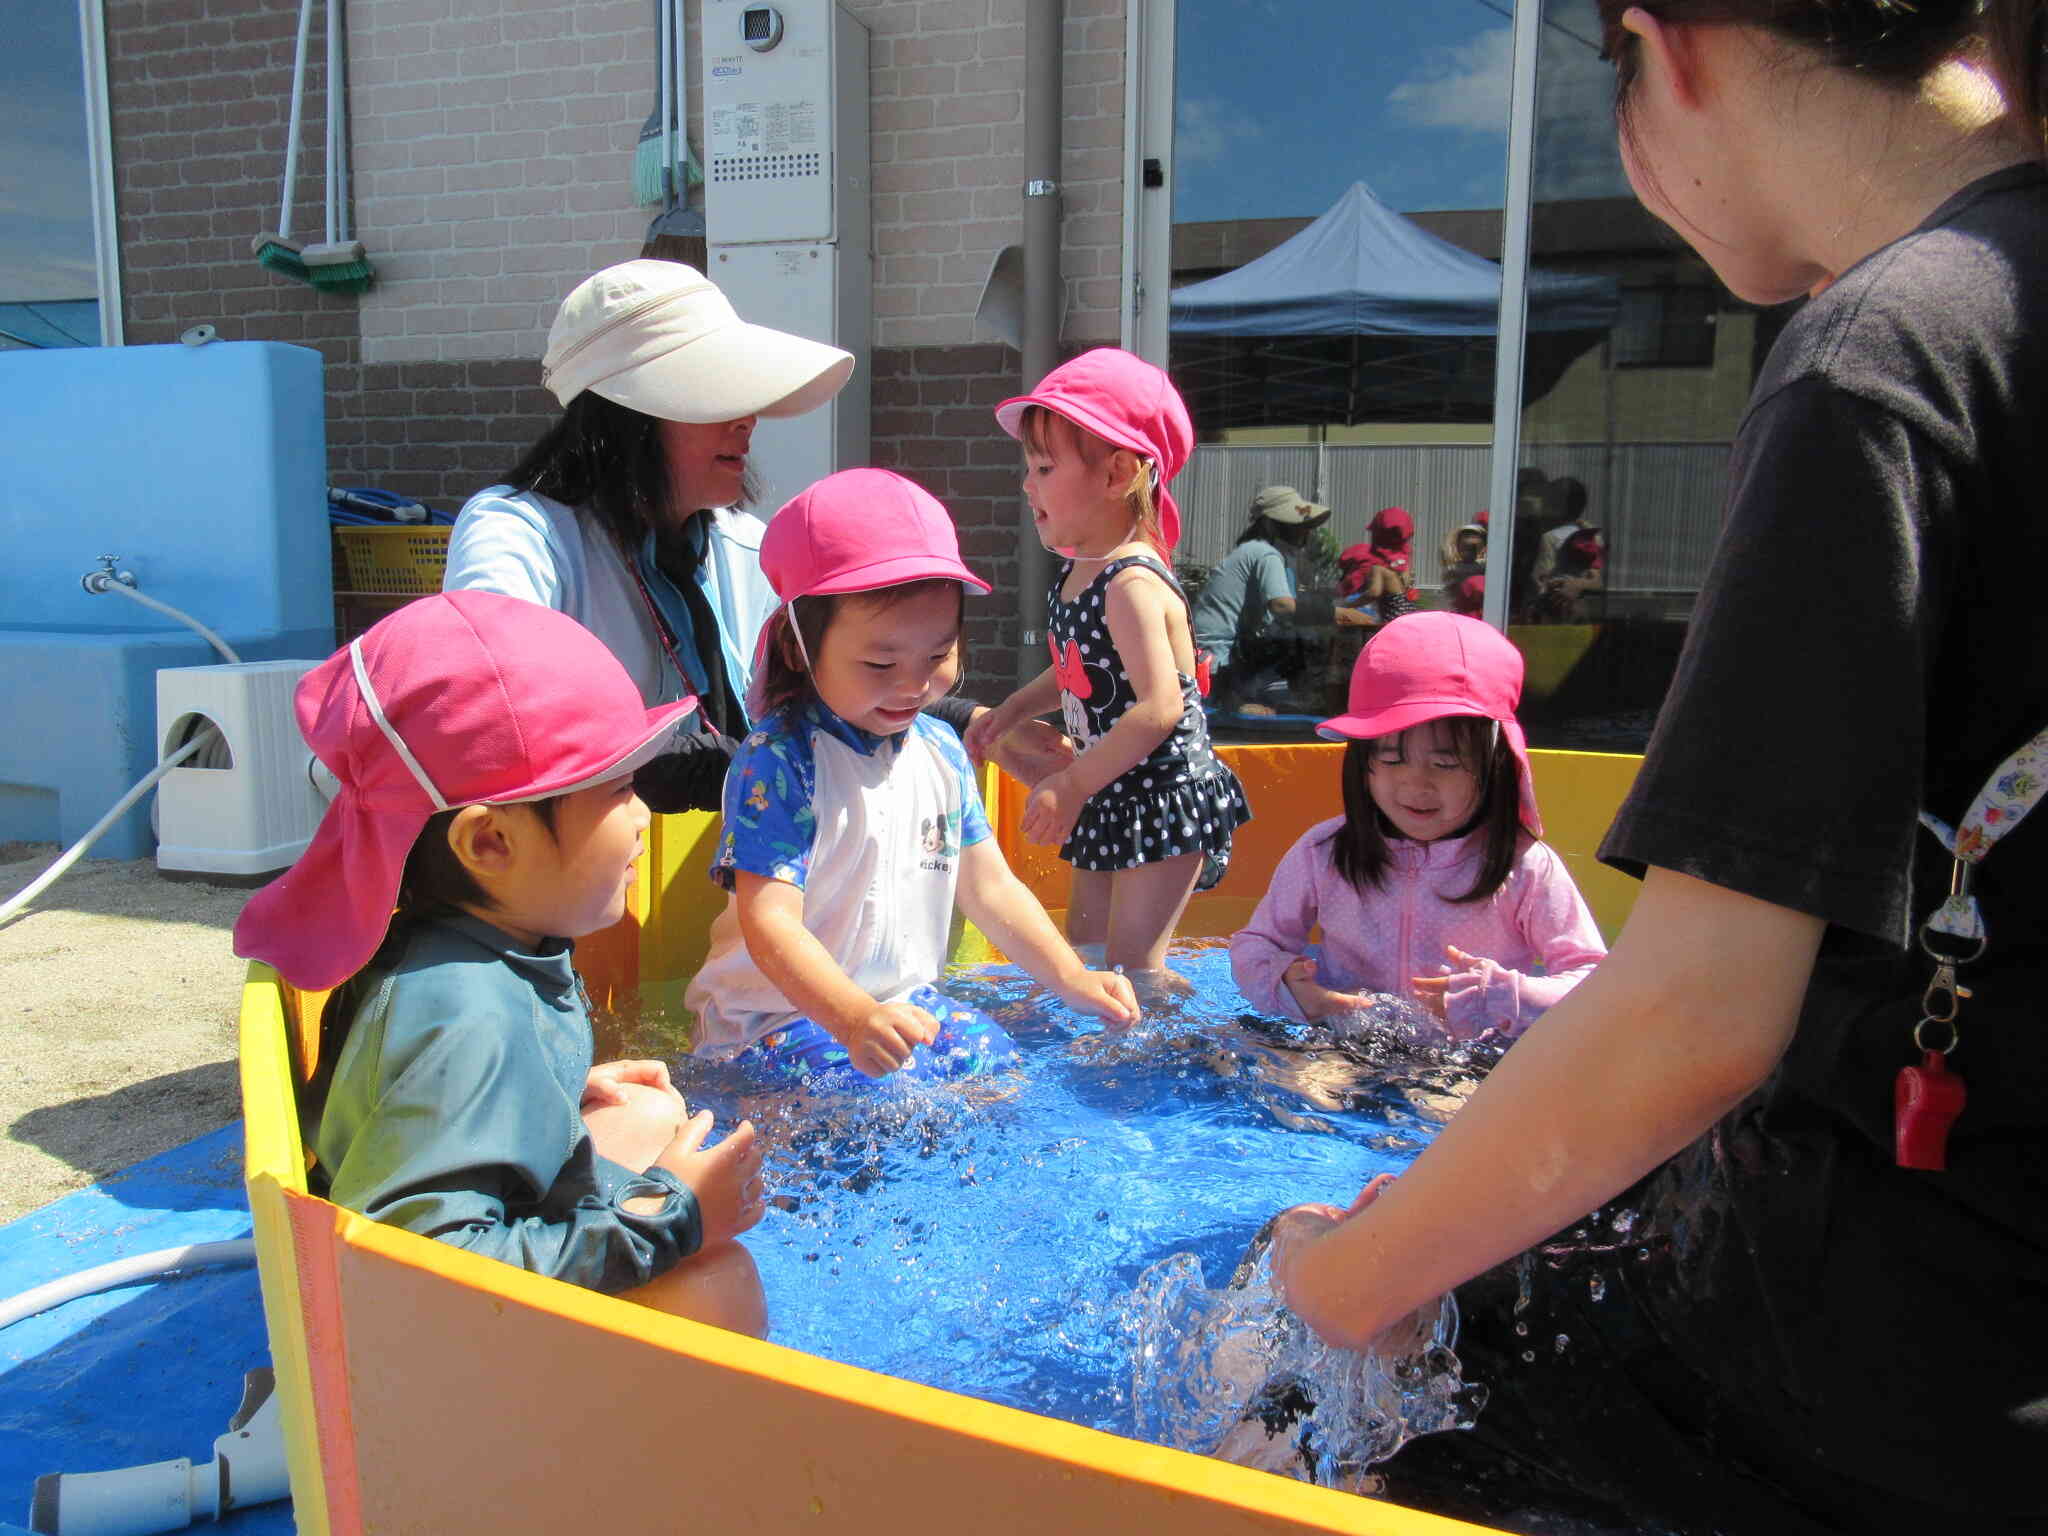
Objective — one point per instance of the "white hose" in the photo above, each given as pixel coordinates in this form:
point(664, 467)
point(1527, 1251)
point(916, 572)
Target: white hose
point(184, 618)
point(104, 1277)
point(76, 851)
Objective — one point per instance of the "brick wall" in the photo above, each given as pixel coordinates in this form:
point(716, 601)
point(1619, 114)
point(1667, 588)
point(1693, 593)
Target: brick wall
point(946, 118)
point(933, 422)
point(493, 164)
point(199, 91)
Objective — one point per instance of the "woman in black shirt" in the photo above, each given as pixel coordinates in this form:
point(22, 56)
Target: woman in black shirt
point(1766, 1324)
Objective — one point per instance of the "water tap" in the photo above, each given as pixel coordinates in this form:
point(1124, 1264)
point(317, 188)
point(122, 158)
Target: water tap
point(98, 581)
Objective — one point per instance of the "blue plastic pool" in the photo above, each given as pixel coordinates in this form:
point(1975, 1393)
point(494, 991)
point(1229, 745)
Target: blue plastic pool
point(986, 1237)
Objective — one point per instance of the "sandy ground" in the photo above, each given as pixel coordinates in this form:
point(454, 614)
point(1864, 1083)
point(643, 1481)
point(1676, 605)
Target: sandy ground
point(118, 998)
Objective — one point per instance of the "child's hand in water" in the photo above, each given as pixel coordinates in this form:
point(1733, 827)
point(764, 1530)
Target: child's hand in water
point(1050, 813)
point(605, 1083)
point(1315, 1000)
point(1433, 992)
point(881, 1040)
point(1104, 995)
point(726, 1179)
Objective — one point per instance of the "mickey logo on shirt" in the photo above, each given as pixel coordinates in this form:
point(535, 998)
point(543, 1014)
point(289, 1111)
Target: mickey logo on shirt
point(939, 837)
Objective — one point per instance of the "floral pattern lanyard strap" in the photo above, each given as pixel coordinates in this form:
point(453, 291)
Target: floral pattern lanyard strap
point(1928, 1097)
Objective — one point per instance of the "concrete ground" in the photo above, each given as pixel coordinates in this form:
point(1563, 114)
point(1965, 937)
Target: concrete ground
point(118, 998)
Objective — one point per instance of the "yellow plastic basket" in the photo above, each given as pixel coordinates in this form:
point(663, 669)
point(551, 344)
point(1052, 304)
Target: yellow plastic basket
point(395, 560)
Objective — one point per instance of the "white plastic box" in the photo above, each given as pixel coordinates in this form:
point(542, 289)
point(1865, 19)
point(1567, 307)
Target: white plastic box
point(251, 806)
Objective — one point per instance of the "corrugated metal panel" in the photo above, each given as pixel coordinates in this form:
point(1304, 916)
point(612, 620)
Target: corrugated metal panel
point(1215, 494)
point(1441, 488)
point(1659, 503)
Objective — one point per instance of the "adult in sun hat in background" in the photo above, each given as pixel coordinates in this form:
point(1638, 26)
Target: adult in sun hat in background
point(486, 820)
point(1811, 1298)
point(627, 514)
point(1244, 614)
point(852, 822)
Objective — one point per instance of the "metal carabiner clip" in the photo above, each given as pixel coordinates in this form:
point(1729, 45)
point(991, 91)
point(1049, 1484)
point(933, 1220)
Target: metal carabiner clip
point(1942, 999)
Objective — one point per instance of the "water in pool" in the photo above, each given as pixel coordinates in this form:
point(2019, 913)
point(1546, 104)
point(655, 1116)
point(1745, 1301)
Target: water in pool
point(1048, 1238)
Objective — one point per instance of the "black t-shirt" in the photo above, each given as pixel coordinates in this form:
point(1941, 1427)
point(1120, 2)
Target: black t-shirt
point(1872, 641)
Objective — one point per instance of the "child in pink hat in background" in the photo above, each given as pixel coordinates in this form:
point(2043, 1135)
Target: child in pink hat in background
point(485, 750)
point(852, 821)
point(1146, 812)
point(1435, 884)
point(1381, 571)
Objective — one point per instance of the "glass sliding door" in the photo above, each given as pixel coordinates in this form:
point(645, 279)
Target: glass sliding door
point(1336, 181)
point(1620, 473)
point(50, 265)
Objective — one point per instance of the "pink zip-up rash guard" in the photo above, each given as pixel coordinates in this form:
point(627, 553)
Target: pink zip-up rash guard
point(1378, 939)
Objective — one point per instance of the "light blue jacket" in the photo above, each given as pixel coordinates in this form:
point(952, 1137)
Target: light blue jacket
point(455, 1111)
point(530, 546)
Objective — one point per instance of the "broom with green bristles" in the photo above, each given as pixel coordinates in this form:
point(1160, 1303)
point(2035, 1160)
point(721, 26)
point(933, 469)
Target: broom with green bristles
point(338, 264)
point(279, 252)
point(664, 169)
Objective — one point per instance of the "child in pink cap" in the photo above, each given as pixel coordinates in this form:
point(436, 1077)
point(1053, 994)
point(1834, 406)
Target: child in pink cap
point(852, 820)
point(1146, 812)
point(1437, 858)
point(485, 749)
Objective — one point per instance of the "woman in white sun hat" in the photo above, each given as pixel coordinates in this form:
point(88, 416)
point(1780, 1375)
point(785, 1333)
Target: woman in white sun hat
point(626, 514)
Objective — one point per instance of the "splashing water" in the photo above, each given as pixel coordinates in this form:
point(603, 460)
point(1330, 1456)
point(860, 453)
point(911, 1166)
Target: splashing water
point(1002, 1236)
point(1232, 1372)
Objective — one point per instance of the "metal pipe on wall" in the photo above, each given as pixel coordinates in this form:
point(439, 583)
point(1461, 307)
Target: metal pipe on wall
point(1043, 20)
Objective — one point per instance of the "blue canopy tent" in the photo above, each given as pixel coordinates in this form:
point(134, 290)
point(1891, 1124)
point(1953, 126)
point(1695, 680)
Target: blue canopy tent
point(50, 323)
point(1365, 316)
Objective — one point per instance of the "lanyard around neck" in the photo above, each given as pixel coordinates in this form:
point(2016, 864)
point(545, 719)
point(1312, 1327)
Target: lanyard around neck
point(666, 635)
point(2015, 787)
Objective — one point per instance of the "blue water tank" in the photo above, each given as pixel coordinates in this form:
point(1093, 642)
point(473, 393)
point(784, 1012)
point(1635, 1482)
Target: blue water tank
point(204, 470)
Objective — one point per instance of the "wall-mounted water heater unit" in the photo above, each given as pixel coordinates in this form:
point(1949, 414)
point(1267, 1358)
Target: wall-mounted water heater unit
point(786, 207)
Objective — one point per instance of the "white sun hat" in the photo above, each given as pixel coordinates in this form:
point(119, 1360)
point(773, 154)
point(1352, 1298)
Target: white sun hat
point(659, 337)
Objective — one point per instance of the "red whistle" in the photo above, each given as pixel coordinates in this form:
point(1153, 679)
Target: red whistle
point(1925, 1102)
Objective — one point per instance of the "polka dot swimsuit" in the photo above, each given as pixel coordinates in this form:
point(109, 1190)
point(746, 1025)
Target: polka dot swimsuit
point(1180, 799)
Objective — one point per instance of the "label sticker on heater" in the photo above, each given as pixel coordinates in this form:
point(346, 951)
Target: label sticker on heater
point(765, 128)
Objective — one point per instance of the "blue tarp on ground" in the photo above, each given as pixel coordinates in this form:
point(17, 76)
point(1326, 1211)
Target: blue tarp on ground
point(1363, 269)
point(142, 1374)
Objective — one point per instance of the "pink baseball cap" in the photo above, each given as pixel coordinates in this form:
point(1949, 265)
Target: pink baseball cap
point(858, 530)
point(462, 698)
point(1424, 666)
point(1126, 402)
